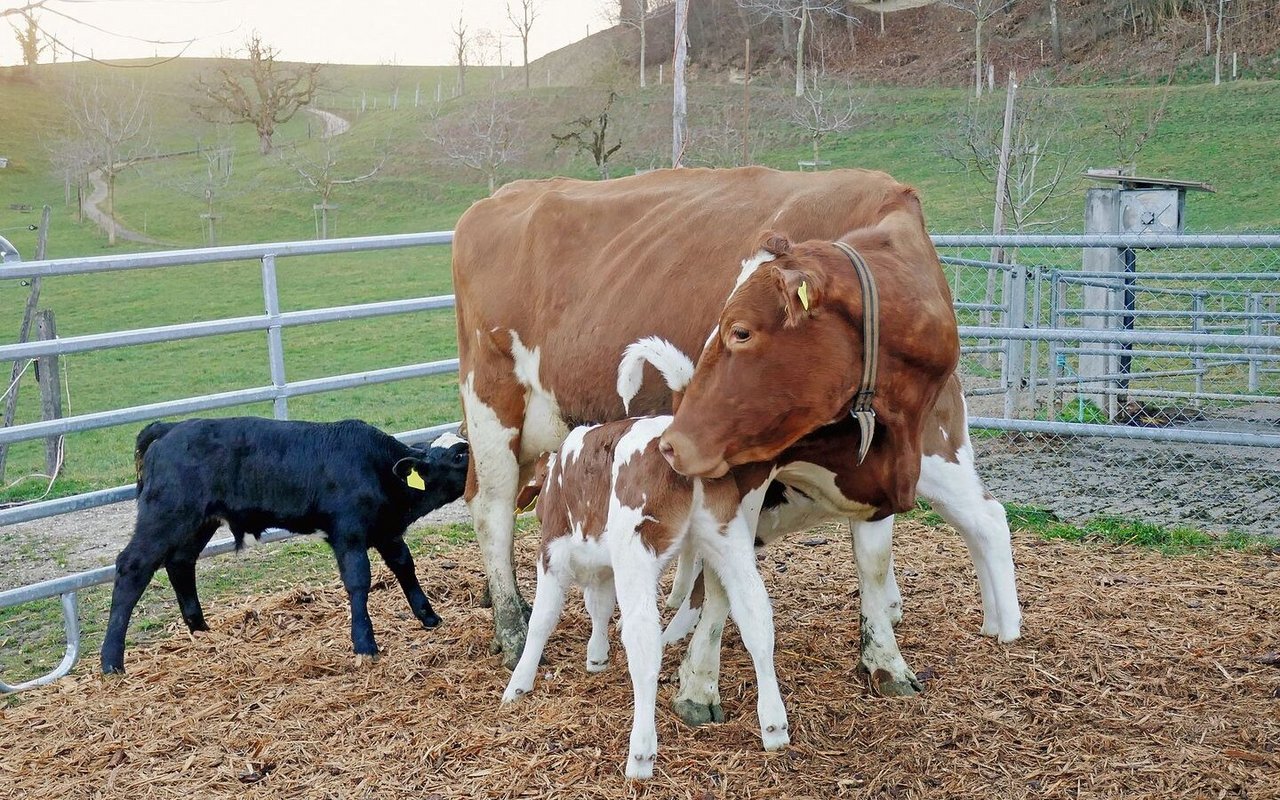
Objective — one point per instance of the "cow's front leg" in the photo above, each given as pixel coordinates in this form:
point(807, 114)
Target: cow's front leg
point(493, 481)
point(698, 701)
point(873, 550)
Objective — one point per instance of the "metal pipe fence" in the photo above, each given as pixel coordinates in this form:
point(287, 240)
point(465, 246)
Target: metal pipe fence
point(1024, 318)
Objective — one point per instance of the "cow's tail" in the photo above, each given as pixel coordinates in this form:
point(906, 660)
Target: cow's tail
point(147, 437)
point(675, 366)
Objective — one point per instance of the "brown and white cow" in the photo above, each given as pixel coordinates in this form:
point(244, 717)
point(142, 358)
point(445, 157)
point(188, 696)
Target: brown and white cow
point(555, 278)
point(613, 514)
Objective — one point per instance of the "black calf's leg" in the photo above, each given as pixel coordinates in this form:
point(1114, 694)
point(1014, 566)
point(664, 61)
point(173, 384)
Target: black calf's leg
point(396, 554)
point(181, 567)
point(134, 567)
point(353, 567)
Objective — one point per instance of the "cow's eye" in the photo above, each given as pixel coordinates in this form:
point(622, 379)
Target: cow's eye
point(739, 334)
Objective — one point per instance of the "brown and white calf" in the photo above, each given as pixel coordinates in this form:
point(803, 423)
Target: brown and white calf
point(613, 515)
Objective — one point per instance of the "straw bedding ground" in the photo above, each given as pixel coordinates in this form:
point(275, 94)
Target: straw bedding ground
point(1138, 676)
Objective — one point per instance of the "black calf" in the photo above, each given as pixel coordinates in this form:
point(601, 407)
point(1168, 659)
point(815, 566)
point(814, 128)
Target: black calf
point(346, 479)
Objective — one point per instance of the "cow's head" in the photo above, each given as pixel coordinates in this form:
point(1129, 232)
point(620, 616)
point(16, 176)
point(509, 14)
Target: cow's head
point(785, 358)
point(434, 475)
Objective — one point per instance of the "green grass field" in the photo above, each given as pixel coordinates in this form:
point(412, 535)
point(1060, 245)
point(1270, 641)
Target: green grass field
point(1224, 135)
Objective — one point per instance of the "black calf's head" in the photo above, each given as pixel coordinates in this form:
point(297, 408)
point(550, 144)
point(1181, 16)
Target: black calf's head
point(435, 475)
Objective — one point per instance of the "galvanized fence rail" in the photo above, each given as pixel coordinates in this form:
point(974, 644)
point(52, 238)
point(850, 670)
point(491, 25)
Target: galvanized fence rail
point(1015, 318)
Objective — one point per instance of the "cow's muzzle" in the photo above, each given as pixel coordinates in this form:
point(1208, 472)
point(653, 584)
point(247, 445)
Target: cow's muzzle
point(683, 456)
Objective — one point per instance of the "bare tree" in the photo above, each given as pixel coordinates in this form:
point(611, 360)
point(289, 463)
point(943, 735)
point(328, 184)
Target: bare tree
point(209, 184)
point(259, 91)
point(1133, 120)
point(802, 12)
point(31, 42)
point(523, 16)
point(72, 159)
point(113, 127)
point(484, 138)
point(824, 110)
point(28, 9)
point(981, 11)
point(1055, 30)
point(635, 14)
point(590, 134)
point(321, 174)
point(1042, 156)
point(462, 47)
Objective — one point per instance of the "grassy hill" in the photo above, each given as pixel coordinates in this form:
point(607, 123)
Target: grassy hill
point(1224, 135)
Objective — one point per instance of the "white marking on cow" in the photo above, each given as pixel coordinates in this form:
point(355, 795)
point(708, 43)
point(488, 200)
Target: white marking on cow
point(448, 440)
point(643, 432)
point(498, 482)
point(570, 449)
point(544, 429)
point(819, 483)
point(675, 366)
point(749, 267)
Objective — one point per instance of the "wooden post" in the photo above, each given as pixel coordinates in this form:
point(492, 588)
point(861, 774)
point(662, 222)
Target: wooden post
point(24, 334)
point(746, 106)
point(678, 109)
point(50, 380)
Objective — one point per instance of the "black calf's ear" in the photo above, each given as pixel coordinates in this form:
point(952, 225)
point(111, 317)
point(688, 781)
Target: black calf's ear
point(412, 472)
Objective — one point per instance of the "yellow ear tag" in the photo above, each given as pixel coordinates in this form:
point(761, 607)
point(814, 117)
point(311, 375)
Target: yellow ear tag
point(803, 292)
point(415, 480)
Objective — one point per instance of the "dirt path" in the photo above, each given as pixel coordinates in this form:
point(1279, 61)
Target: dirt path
point(334, 125)
point(100, 217)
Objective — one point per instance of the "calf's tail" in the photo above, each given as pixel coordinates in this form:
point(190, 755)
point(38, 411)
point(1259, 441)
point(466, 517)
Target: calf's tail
point(675, 366)
point(147, 437)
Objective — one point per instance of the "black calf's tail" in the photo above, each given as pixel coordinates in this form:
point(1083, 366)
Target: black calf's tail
point(146, 437)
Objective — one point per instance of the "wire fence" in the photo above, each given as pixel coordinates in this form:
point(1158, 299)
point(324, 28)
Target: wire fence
point(1150, 391)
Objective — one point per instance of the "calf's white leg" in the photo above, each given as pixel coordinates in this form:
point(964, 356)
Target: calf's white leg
point(732, 557)
point(599, 599)
point(547, 605)
point(873, 551)
point(635, 575)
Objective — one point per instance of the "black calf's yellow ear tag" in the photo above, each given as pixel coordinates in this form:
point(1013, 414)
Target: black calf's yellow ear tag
point(414, 479)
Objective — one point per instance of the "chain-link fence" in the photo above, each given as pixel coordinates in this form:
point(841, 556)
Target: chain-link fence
point(1140, 380)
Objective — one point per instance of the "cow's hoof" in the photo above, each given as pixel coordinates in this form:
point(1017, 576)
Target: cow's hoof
point(113, 670)
point(775, 737)
point(886, 684)
point(430, 621)
point(510, 645)
point(598, 666)
point(640, 766)
point(367, 659)
point(698, 713)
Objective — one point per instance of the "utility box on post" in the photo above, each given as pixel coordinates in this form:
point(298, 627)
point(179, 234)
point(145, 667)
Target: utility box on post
point(1130, 206)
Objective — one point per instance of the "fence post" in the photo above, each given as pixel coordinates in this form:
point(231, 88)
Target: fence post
point(1255, 328)
point(24, 333)
point(1101, 215)
point(1197, 326)
point(48, 375)
point(275, 341)
point(1013, 370)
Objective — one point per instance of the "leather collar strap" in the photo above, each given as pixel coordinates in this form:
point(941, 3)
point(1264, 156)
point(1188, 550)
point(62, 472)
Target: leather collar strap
point(862, 410)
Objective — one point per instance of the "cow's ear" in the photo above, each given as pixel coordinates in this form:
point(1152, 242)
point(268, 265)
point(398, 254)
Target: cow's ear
point(774, 242)
point(413, 472)
point(801, 294)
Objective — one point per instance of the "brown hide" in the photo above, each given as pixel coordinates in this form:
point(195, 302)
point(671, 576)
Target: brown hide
point(582, 269)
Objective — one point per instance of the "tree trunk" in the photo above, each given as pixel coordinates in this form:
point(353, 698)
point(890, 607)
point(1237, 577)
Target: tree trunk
point(111, 206)
point(977, 56)
point(678, 109)
point(264, 142)
point(1055, 30)
point(462, 78)
point(644, 5)
point(524, 41)
point(493, 179)
point(804, 24)
point(1217, 55)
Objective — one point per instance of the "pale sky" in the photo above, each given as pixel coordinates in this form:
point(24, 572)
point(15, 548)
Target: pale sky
point(328, 31)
